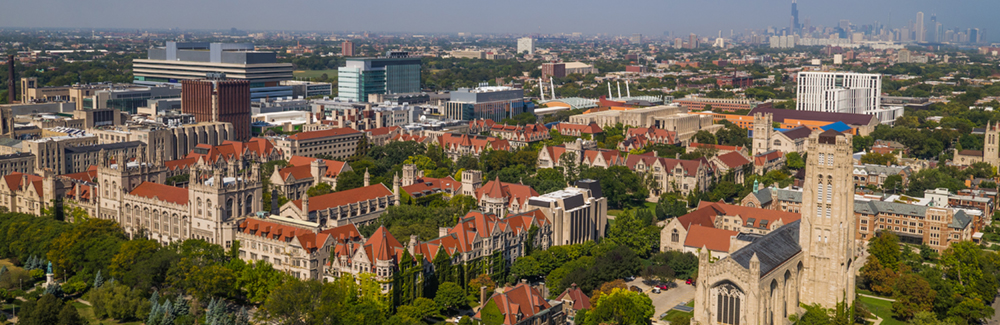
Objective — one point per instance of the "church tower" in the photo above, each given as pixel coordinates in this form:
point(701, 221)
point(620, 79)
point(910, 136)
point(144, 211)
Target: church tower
point(826, 232)
point(991, 144)
point(762, 129)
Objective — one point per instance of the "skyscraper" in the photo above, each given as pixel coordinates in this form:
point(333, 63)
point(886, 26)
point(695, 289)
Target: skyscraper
point(219, 100)
point(795, 17)
point(347, 48)
point(919, 28)
point(636, 39)
point(526, 44)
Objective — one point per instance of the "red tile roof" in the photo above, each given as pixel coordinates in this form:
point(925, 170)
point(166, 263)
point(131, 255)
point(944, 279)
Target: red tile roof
point(713, 238)
point(580, 299)
point(591, 128)
point(15, 181)
point(322, 133)
point(162, 192)
point(715, 146)
point(519, 300)
point(762, 159)
point(333, 167)
point(383, 245)
point(309, 240)
point(447, 184)
point(87, 176)
point(336, 199)
point(514, 192)
point(733, 159)
point(180, 163)
point(382, 130)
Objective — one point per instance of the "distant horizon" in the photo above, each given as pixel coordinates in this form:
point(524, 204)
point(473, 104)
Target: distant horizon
point(518, 17)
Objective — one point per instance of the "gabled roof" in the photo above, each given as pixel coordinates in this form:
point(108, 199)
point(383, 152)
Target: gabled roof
point(382, 245)
point(323, 133)
point(771, 250)
point(713, 238)
point(514, 192)
point(521, 299)
point(591, 128)
point(763, 158)
point(162, 192)
point(429, 185)
point(333, 167)
point(180, 163)
point(580, 299)
point(797, 133)
point(733, 159)
point(271, 230)
point(336, 199)
point(15, 181)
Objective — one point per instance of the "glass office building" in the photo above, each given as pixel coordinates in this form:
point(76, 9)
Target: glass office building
point(396, 73)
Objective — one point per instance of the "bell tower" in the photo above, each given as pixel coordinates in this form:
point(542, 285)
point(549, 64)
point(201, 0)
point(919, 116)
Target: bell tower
point(826, 232)
point(762, 129)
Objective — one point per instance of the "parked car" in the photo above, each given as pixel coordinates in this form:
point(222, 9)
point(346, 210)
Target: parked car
point(662, 287)
point(629, 278)
point(689, 281)
point(636, 289)
point(655, 290)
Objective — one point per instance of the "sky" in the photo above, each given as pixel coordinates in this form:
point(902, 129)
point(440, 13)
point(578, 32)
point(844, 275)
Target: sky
point(623, 17)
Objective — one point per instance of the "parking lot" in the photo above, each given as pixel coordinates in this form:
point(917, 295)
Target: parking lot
point(666, 299)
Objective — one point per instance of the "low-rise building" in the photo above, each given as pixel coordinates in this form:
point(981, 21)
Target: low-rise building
point(458, 145)
point(728, 105)
point(722, 228)
point(578, 214)
point(358, 206)
point(586, 131)
point(673, 175)
point(518, 135)
point(875, 175)
point(338, 143)
point(502, 198)
point(768, 161)
point(523, 304)
point(301, 252)
point(304, 172)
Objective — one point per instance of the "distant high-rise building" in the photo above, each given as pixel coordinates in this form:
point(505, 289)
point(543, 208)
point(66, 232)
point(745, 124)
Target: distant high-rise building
point(974, 35)
point(919, 27)
point(193, 61)
point(938, 32)
point(693, 41)
point(219, 100)
point(347, 48)
point(839, 92)
point(526, 45)
point(795, 17)
point(636, 39)
point(396, 73)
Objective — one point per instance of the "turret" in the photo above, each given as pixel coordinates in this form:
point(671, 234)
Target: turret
point(367, 178)
point(305, 204)
point(395, 188)
point(318, 169)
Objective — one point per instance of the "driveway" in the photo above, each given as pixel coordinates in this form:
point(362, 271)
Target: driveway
point(667, 299)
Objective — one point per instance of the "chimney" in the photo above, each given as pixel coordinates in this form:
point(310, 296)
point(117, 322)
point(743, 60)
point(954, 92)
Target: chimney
point(482, 295)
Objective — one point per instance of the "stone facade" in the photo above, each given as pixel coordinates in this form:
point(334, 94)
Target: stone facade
point(810, 261)
point(305, 172)
point(338, 143)
point(673, 175)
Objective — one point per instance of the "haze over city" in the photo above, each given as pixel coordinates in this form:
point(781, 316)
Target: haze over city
point(650, 17)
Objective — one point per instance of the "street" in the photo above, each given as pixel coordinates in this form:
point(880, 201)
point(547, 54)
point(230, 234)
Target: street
point(667, 299)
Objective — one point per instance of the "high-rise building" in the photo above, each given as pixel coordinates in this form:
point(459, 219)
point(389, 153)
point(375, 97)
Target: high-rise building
point(795, 17)
point(919, 28)
point(839, 92)
point(219, 100)
point(347, 48)
point(557, 70)
point(193, 61)
point(692, 41)
point(526, 45)
point(636, 39)
point(974, 35)
point(396, 73)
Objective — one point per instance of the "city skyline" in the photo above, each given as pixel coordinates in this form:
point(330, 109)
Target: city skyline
point(523, 17)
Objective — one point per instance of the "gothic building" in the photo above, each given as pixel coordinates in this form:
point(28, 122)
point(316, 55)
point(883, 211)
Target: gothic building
point(810, 261)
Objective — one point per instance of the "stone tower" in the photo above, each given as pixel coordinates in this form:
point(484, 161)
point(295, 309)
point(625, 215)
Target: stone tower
point(222, 197)
point(471, 180)
point(991, 144)
point(826, 232)
point(762, 129)
point(409, 174)
point(116, 176)
point(318, 169)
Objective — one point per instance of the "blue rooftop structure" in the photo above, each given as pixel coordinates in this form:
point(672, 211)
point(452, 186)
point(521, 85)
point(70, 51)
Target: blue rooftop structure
point(836, 126)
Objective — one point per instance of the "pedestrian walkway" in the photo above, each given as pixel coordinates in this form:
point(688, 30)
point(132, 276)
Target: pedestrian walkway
point(877, 297)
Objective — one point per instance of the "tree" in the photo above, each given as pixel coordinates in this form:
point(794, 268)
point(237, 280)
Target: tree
point(525, 267)
point(880, 279)
point(893, 183)
point(449, 296)
point(913, 295)
point(621, 307)
point(257, 279)
point(794, 160)
point(971, 310)
point(479, 281)
point(319, 189)
point(607, 287)
point(927, 318)
point(89, 246)
point(705, 137)
point(878, 159)
point(632, 232)
point(885, 249)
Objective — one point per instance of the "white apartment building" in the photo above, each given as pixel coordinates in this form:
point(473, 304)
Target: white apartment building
point(526, 44)
point(844, 92)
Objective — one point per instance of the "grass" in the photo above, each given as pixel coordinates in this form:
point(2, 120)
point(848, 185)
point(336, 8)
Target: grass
point(6, 262)
point(882, 308)
point(308, 74)
point(87, 313)
point(649, 205)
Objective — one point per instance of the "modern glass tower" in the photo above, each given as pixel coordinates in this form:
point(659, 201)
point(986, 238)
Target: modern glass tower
point(396, 73)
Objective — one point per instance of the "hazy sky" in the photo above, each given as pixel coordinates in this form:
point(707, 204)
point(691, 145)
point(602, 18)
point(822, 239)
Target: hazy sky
point(650, 17)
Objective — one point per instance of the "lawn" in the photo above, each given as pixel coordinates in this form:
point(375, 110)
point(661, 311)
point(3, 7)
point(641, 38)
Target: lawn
point(87, 312)
point(331, 74)
point(882, 308)
point(6, 262)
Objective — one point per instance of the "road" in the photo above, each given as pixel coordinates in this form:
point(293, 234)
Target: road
point(667, 299)
point(996, 316)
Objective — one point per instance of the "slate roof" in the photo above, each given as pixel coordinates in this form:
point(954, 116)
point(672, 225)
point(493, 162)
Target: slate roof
point(772, 249)
point(797, 133)
point(106, 146)
point(960, 220)
point(763, 196)
point(779, 115)
point(874, 207)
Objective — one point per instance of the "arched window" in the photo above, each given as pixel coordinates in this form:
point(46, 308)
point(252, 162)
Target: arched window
point(674, 236)
point(777, 142)
point(728, 304)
